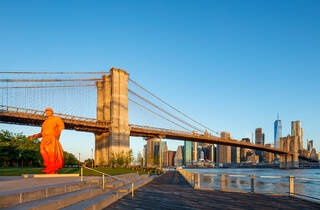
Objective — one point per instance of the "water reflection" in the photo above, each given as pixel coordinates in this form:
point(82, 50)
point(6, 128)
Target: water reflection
point(211, 178)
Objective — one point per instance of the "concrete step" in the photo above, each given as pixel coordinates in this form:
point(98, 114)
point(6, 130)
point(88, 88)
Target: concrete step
point(72, 198)
point(13, 199)
point(19, 198)
point(110, 196)
point(54, 199)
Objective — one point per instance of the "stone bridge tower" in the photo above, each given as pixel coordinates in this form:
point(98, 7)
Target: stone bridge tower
point(112, 106)
point(290, 144)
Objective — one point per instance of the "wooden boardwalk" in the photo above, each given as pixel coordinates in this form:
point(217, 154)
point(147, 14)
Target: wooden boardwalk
point(171, 191)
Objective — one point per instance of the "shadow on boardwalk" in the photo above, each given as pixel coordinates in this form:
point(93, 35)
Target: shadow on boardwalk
point(171, 191)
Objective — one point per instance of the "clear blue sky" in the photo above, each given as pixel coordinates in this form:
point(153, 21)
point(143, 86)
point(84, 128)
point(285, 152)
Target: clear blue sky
point(232, 65)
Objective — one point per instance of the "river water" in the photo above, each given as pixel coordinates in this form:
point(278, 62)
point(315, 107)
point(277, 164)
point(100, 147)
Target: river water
point(270, 183)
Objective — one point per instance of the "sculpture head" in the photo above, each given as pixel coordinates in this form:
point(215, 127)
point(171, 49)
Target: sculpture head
point(49, 112)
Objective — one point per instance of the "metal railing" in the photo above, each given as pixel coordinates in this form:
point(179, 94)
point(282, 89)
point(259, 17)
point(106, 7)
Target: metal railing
point(159, 129)
point(42, 113)
point(290, 185)
point(102, 175)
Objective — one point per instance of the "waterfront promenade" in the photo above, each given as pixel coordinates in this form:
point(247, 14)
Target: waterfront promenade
point(171, 191)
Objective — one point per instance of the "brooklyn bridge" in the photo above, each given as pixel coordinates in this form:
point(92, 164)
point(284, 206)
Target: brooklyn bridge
point(24, 95)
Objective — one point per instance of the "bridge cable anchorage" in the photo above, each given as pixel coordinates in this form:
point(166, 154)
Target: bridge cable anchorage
point(180, 112)
point(158, 114)
point(168, 113)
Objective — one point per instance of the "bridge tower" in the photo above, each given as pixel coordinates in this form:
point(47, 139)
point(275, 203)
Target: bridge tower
point(112, 106)
point(289, 144)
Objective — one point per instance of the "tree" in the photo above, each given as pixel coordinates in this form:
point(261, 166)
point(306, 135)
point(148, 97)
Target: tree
point(17, 150)
point(139, 158)
point(88, 162)
point(70, 159)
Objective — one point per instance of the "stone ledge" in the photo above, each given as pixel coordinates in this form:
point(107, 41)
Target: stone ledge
point(48, 175)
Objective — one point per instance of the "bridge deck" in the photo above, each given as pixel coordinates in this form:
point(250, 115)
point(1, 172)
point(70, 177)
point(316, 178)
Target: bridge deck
point(22, 116)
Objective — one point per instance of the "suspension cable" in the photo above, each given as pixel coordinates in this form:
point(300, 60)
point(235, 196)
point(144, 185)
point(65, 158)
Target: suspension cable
point(158, 114)
point(46, 86)
point(172, 106)
point(48, 80)
point(168, 113)
point(8, 72)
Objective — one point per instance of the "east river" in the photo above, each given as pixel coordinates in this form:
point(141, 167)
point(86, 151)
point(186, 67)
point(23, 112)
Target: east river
point(274, 181)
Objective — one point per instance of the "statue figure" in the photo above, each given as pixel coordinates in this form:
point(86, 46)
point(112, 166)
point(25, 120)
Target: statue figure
point(50, 147)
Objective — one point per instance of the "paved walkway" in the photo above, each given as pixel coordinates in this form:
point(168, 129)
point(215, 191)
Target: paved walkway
point(171, 191)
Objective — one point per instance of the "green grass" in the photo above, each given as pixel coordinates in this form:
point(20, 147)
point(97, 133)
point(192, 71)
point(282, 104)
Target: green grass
point(18, 171)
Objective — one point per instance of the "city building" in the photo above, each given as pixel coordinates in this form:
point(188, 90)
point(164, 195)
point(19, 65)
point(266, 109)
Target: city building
point(259, 136)
point(277, 132)
point(244, 151)
point(296, 130)
point(151, 152)
point(145, 156)
point(188, 150)
point(195, 152)
point(235, 154)
point(313, 154)
point(169, 160)
point(223, 151)
point(211, 153)
point(310, 145)
point(178, 158)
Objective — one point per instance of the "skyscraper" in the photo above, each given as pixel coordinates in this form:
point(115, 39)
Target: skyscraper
point(310, 145)
point(259, 136)
point(259, 140)
point(277, 132)
point(178, 158)
point(223, 151)
point(296, 130)
point(195, 152)
point(188, 149)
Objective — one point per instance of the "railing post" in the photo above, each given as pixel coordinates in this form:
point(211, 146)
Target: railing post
point(253, 183)
point(102, 181)
point(81, 173)
point(197, 180)
point(291, 185)
point(223, 182)
point(132, 191)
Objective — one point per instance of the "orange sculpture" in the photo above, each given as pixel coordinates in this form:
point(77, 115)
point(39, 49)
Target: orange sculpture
point(50, 147)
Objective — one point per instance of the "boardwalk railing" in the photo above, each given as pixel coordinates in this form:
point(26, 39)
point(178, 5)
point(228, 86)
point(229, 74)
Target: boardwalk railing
point(276, 185)
point(192, 178)
point(99, 172)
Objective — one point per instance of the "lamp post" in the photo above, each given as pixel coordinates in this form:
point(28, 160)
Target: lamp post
point(92, 157)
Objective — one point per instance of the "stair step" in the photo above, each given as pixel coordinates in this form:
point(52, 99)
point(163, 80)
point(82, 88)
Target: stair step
point(19, 198)
point(116, 195)
point(43, 202)
point(15, 199)
point(85, 195)
point(107, 198)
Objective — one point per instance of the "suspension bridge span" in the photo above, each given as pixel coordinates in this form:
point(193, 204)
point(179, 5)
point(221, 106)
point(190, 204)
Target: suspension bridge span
point(111, 125)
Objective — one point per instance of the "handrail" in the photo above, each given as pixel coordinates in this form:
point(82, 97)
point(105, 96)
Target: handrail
point(66, 116)
point(102, 173)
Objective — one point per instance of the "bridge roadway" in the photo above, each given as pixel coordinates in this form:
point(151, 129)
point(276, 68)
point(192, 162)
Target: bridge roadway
point(21, 116)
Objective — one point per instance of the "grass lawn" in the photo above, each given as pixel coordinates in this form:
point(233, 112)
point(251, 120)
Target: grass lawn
point(18, 171)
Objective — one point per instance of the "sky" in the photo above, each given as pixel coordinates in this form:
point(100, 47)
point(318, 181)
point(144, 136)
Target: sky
point(232, 65)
